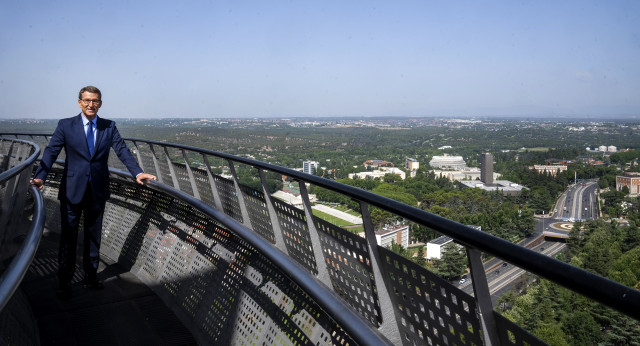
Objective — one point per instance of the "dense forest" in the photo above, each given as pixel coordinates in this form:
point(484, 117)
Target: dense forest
point(561, 317)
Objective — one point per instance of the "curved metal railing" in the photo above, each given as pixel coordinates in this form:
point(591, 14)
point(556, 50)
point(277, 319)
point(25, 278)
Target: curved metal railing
point(352, 323)
point(610, 293)
point(16, 212)
point(22, 216)
point(403, 301)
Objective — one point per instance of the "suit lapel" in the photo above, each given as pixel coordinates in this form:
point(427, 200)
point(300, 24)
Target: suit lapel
point(99, 134)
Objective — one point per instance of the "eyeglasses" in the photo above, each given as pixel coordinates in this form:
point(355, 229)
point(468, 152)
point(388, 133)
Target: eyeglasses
point(88, 102)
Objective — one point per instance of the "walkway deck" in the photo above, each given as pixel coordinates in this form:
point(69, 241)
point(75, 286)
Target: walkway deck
point(126, 312)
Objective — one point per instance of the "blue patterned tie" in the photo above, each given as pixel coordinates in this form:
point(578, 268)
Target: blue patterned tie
point(90, 137)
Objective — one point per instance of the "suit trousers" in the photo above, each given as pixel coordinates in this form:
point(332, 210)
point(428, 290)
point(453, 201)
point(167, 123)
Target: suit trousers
point(70, 214)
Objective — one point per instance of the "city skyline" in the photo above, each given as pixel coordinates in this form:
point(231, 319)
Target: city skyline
point(329, 59)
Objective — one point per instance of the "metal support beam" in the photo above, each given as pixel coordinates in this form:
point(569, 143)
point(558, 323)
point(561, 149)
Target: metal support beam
point(156, 164)
point(212, 182)
point(192, 178)
point(316, 244)
point(483, 296)
point(243, 206)
point(140, 163)
point(273, 216)
point(389, 325)
point(172, 170)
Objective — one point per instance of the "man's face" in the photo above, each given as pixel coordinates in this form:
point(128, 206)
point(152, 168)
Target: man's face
point(90, 103)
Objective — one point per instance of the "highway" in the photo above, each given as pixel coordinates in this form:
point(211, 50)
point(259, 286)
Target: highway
point(580, 201)
point(503, 275)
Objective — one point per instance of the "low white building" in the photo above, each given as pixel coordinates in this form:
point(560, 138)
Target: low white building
point(470, 173)
point(549, 169)
point(505, 186)
point(446, 161)
point(434, 247)
point(379, 173)
point(390, 234)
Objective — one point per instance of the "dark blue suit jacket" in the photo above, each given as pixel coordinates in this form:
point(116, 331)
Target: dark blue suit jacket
point(79, 164)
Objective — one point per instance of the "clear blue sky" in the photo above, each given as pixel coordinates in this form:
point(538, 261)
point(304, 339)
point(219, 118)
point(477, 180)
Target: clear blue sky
point(321, 58)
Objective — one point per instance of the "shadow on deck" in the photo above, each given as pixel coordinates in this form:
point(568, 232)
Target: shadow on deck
point(126, 312)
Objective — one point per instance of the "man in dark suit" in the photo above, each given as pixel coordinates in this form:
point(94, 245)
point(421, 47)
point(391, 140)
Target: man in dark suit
point(84, 188)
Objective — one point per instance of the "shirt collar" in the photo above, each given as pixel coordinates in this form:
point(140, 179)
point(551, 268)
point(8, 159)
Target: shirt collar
point(85, 121)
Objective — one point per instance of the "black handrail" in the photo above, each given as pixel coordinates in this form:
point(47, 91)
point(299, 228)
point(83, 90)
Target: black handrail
point(25, 164)
point(352, 322)
point(12, 277)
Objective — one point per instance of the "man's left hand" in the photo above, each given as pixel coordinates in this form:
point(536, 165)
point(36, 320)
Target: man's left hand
point(144, 176)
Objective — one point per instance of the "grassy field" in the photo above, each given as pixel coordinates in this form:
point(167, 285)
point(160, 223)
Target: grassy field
point(347, 210)
point(338, 221)
point(334, 220)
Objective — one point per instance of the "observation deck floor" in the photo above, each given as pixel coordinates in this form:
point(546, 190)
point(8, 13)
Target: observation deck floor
point(125, 312)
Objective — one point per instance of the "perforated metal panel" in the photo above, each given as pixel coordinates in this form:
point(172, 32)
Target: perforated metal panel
point(146, 156)
point(430, 310)
point(350, 268)
point(203, 186)
point(231, 293)
point(182, 176)
point(228, 197)
point(511, 334)
point(258, 213)
point(295, 232)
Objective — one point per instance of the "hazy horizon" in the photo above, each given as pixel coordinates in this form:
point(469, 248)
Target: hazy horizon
point(504, 59)
point(561, 118)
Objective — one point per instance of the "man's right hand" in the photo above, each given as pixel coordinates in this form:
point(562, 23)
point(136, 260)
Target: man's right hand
point(37, 183)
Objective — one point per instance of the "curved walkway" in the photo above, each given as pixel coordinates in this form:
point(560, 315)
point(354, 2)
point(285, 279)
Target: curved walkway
point(126, 312)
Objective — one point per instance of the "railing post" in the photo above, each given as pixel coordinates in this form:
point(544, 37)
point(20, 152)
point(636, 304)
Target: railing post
point(212, 182)
point(174, 178)
point(273, 216)
point(140, 163)
point(192, 179)
point(316, 245)
point(482, 296)
point(156, 165)
point(389, 325)
point(243, 207)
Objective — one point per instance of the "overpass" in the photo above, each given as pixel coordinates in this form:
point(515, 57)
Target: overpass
point(555, 235)
point(199, 258)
